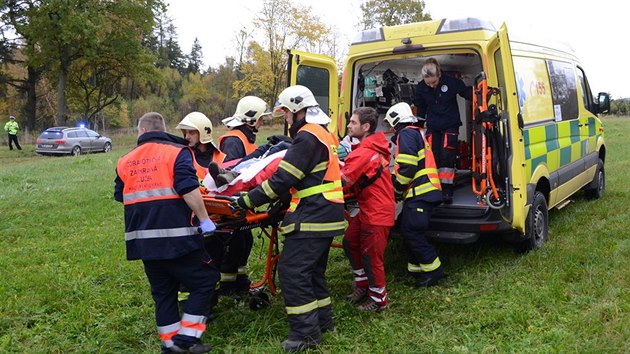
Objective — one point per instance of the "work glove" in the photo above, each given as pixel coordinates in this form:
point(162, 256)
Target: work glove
point(274, 139)
point(207, 227)
point(242, 203)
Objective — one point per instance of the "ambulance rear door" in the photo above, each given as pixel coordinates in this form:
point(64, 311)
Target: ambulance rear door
point(318, 73)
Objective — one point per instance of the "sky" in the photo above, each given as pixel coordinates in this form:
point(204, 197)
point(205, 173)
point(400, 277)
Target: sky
point(597, 31)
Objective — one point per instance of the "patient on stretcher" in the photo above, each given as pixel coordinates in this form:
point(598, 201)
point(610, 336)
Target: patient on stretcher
point(247, 173)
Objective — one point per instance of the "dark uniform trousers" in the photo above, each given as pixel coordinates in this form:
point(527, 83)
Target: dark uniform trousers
point(444, 146)
point(413, 226)
point(234, 261)
point(196, 274)
point(302, 268)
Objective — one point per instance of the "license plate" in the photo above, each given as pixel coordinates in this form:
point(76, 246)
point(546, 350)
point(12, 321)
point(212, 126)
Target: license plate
point(47, 145)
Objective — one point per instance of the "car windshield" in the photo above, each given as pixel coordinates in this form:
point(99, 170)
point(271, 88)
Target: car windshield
point(54, 134)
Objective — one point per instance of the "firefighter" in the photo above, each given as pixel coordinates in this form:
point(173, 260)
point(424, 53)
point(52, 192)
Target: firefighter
point(436, 100)
point(310, 172)
point(197, 130)
point(416, 183)
point(158, 186)
point(236, 144)
point(366, 174)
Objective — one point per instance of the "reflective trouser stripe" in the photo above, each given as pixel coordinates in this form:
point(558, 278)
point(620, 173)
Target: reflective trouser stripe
point(242, 270)
point(167, 333)
point(228, 277)
point(416, 268)
point(446, 174)
point(359, 275)
point(193, 325)
point(324, 302)
point(298, 310)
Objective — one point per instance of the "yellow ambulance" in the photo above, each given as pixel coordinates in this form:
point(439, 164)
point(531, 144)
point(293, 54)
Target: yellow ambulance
point(547, 141)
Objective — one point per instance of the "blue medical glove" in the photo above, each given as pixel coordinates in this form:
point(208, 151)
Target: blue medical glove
point(207, 227)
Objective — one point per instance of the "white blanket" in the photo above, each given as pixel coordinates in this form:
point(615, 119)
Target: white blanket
point(248, 170)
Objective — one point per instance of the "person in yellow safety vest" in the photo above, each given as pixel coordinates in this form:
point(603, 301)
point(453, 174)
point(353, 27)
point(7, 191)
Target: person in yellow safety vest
point(237, 143)
point(310, 172)
point(417, 184)
point(12, 127)
point(158, 186)
point(197, 130)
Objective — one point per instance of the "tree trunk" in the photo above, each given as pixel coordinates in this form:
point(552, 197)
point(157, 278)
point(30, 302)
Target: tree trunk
point(61, 96)
point(31, 100)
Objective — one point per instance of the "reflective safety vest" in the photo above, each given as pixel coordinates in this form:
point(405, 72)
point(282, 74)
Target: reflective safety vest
point(202, 172)
point(331, 187)
point(158, 222)
point(426, 178)
point(249, 147)
point(12, 127)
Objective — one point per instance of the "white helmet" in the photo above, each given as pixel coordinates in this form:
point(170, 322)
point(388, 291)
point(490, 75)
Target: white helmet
point(297, 97)
point(199, 122)
point(248, 110)
point(400, 113)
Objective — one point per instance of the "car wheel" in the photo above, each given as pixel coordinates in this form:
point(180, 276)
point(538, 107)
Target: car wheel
point(537, 223)
point(107, 147)
point(76, 151)
point(597, 187)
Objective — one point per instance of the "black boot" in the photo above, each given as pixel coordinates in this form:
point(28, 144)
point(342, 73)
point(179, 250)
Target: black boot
point(447, 193)
point(428, 279)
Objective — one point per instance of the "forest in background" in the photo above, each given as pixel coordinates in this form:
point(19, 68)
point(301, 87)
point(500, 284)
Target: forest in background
point(103, 63)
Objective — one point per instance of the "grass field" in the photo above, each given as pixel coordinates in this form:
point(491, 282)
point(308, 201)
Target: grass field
point(65, 286)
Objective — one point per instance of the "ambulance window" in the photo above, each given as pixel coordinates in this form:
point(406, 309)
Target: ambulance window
point(318, 81)
point(563, 90)
point(587, 96)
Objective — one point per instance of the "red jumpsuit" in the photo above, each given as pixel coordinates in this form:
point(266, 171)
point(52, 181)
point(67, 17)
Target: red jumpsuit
point(366, 237)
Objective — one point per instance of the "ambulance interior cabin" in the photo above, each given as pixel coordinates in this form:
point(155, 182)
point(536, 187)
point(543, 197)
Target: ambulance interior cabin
point(382, 83)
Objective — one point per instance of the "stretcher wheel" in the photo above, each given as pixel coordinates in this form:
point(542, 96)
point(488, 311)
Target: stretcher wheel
point(259, 301)
point(495, 203)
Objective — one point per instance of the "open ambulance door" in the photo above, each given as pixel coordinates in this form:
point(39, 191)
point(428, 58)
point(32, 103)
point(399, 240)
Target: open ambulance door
point(500, 55)
point(318, 73)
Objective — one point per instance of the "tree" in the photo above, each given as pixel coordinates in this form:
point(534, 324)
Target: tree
point(378, 13)
point(195, 58)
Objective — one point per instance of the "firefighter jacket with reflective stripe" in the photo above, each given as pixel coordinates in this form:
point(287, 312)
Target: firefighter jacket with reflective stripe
point(12, 127)
point(150, 182)
point(361, 167)
point(310, 171)
point(237, 143)
point(416, 175)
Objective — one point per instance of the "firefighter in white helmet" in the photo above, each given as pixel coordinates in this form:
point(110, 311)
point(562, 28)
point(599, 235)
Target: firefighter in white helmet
point(197, 130)
point(310, 169)
point(417, 184)
point(240, 140)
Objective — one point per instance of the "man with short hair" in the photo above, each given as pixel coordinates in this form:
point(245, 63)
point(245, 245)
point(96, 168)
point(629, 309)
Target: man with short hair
point(366, 174)
point(159, 188)
point(12, 127)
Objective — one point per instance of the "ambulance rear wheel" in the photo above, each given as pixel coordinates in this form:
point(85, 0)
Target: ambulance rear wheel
point(537, 223)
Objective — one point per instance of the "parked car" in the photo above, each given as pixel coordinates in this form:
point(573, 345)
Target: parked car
point(73, 141)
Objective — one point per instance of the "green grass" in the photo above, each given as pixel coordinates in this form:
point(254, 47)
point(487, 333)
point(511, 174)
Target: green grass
point(65, 286)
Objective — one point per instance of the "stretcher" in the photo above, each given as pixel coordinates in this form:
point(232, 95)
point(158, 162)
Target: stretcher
point(228, 220)
point(486, 145)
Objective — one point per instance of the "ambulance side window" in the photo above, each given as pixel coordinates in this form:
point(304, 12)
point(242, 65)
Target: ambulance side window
point(587, 95)
point(318, 81)
point(563, 90)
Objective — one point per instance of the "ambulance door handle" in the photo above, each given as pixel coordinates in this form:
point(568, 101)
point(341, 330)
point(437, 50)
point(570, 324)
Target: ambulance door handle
point(582, 125)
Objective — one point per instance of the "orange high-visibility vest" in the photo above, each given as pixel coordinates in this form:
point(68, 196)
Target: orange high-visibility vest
point(249, 147)
point(331, 187)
